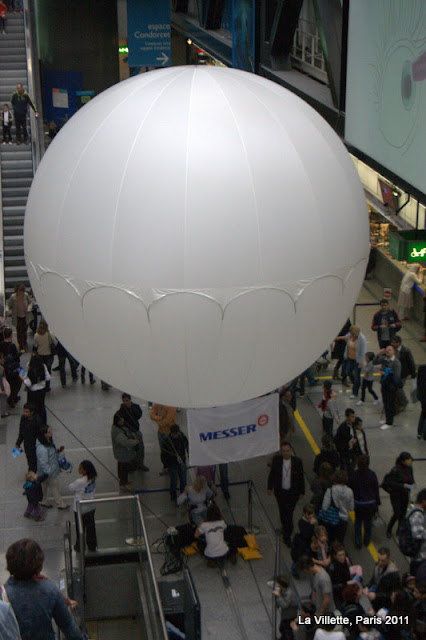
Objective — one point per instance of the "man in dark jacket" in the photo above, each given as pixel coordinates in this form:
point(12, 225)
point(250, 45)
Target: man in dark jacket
point(408, 368)
point(174, 452)
point(287, 481)
point(344, 439)
point(28, 432)
point(360, 446)
point(131, 414)
point(20, 100)
point(365, 486)
point(384, 581)
point(390, 371)
point(11, 366)
point(386, 322)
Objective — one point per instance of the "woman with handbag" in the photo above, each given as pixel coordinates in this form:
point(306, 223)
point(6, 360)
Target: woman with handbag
point(45, 345)
point(338, 501)
point(48, 465)
point(36, 382)
point(125, 446)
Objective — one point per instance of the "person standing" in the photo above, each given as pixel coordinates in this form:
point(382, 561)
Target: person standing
point(390, 371)
point(45, 345)
point(19, 306)
point(84, 488)
point(175, 448)
point(11, 366)
point(131, 414)
point(421, 396)
point(342, 497)
point(124, 446)
point(408, 368)
point(47, 464)
point(63, 356)
point(368, 380)
point(165, 417)
point(287, 481)
point(399, 483)
point(359, 447)
point(344, 440)
point(3, 12)
point(405, 298)
point(29, 427)
point(386, 323)
point(338, 349)
point(6, 122)
point(356, 348)
point(417, 519)
point(36, 382)
point(20, 100)
point(365, 486)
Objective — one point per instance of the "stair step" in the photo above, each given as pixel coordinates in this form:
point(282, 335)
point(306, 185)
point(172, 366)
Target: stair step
point(11, 201)
point(16, 242)
point(13, 230)
point(17, 164)
point(13, 221)
point(14, 191)
point(18, 271)
point(14, 261)
point(24, 179)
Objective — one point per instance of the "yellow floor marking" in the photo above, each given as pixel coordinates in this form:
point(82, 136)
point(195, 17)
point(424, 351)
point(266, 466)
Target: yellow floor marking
point(309, 437)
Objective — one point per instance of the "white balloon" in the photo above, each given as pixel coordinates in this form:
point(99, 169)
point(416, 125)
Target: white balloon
point(196, 235)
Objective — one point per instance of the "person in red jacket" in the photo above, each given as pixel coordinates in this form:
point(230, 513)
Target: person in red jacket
point(3, 11)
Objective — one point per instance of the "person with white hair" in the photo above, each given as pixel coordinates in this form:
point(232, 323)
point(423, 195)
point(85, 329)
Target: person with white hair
point(405, 298)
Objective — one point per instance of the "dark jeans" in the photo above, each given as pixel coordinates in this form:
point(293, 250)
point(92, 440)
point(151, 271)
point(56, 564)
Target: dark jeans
point(337, 531)
point(123, 470)
point(89, 530)
point(21, 332)
point(73, 366)
point(399, 505)
point(21, 126)
point(177, 471)
point(7, 133)
point(83, 375)
point(15, 384)
point(224, 480)
point(421, 429)
point(388, 397)
point(327, 425)
point(364, 516)
point(367, 385)
point(31, 458)
point(286, 501)
point(352, 370)
point(36, 398)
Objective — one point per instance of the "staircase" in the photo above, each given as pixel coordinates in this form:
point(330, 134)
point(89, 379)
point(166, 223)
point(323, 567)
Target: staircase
point(15, 160)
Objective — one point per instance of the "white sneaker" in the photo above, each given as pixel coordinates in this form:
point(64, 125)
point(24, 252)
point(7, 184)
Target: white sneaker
point(384, 427)
point(376, 402)
point(382, 421)
point(360, 402)
point(352, 396)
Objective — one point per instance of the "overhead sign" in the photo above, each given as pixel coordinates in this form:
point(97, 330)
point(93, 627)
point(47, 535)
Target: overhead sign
point(236, 432)
point(149, 33)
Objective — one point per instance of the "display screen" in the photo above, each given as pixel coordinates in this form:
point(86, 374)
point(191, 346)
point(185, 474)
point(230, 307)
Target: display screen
point(386, 85)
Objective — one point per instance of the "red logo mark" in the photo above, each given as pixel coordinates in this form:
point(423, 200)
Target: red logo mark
point(263, 420)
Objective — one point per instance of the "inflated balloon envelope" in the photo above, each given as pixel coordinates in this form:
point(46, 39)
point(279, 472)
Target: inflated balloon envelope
point(196, 236)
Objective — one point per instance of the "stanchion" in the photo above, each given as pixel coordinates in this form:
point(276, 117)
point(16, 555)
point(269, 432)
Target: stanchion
point(136, 540)
point(252, 528)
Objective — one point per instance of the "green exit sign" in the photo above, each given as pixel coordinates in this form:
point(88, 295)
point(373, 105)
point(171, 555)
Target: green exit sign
point(416, 251)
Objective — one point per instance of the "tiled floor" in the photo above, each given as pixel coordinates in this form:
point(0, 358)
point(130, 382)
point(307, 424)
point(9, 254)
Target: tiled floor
point(81, 417)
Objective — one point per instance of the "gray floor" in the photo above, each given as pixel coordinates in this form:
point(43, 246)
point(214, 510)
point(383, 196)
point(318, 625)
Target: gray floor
point(84, 413)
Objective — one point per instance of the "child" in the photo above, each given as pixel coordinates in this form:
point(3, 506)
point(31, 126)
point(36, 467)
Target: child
point(368, 380)
point(6, 121)
point(323, 556)
point(302, 539)
point(84, 489)
point(34, 493)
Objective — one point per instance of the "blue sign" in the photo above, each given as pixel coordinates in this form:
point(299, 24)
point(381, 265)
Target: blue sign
point(149, 33)
point(243, 34)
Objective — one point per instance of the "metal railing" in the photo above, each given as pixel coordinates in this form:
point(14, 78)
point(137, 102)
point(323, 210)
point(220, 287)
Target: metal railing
point(33, 81)
point(307, 52)
point(139, 536)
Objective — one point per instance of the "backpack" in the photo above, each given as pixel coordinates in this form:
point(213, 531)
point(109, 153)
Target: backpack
point(408, 545)
point(385, 484)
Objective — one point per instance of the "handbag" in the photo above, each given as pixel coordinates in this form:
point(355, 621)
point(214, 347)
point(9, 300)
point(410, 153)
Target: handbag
point(52, 345)
point(331, 515)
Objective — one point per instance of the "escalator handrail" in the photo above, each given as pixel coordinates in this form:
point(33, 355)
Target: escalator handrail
point(30, 44)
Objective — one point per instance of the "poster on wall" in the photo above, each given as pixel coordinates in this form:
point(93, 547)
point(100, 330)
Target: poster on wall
point(243, 18)
point(60, 98)
point(149, 33)
point(386, 85)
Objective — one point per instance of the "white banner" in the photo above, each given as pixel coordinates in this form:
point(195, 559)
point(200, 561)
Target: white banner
point(236, 432)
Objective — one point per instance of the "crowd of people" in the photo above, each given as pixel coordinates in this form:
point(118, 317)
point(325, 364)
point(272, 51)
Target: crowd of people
point(344, 481)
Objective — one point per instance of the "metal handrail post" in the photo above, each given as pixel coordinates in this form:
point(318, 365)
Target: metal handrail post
point(32, 57)
point(276, 573)
point(151, 567)
point(250, 506)
point(81, 557)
